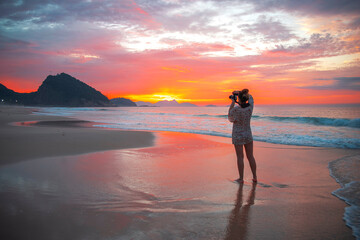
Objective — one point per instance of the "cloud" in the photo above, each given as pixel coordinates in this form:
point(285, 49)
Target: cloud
point(192, 17)
point(355, 24)
point(318, 45)
point(45, 11)
point(175, 69)
point(337, 83)
point(8, 44)
point(138, 46)
point(308, 7)
point(271, 30)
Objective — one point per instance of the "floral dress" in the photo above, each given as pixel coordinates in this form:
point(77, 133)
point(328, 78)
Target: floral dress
point(240, 117)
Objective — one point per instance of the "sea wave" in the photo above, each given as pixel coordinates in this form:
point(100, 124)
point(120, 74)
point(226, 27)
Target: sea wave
point(311, 141)
point(335, 122)
point(287, 139)
point(281, 129)
point(321, 121)
point(210, 115)
point(219, 115)
point(345, 172)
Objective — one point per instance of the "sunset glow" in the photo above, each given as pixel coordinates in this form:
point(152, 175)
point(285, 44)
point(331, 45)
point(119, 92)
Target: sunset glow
point(285, 52)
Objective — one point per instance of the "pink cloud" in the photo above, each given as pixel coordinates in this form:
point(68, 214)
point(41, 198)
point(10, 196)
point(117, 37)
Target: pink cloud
point(87, 45)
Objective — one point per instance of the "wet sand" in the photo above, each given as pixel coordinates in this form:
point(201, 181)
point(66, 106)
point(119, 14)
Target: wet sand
point(179, 188)
point(56, 136)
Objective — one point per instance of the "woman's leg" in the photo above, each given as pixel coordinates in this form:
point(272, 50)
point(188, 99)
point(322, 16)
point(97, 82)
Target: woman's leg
point(250, 156)
point(240, 161)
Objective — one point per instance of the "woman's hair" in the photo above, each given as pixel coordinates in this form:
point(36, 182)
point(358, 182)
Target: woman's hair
point(244, 95)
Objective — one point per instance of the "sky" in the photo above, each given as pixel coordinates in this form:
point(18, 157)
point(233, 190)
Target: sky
point(198, 51)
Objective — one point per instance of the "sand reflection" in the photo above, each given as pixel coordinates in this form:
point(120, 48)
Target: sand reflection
point(239, 216)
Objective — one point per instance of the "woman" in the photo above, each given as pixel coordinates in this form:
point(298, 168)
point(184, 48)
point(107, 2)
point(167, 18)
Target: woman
point(241, 135)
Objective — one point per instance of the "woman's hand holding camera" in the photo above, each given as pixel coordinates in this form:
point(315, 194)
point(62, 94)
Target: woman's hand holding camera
point(240, 95)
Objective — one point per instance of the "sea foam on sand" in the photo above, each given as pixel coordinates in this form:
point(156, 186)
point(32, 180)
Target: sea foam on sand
point(346, 172)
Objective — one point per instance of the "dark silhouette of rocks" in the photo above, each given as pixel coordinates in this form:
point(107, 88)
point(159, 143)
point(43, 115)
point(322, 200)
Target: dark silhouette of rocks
point(63, 90)
point(122, 102)
point(60, 90)
point(8, 96)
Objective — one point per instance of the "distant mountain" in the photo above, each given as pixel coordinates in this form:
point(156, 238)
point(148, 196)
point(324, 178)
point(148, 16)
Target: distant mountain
point(210, 105)
point(122, 102)
point(60, 90)
point(144, 104)
point(173, 103)
point(164, 103)
point(185, 104)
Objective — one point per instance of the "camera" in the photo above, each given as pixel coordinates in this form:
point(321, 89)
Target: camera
point(234, 96)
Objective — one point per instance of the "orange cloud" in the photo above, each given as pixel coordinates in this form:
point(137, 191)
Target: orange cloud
point(187, 54)
point(176, 69)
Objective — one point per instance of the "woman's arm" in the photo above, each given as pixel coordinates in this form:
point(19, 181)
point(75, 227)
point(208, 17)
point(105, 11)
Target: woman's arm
point(251, 101)
point(230, 113)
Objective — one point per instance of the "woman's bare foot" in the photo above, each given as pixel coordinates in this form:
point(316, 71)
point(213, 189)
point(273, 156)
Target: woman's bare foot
point(254, 180)
point(239, 180)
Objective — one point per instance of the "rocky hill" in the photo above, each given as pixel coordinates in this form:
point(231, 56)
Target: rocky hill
point(60, 90)
point(8, 96)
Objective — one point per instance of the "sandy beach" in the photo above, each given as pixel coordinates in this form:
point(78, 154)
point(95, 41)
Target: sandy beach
point(63, 179)
point(55, 136)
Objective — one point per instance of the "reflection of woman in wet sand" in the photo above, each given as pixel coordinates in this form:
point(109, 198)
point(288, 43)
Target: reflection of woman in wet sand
point(241, 135)
point(239, 216)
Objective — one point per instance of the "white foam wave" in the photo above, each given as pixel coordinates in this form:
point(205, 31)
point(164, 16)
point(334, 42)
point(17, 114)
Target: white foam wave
point(346, 172)
point(336, 122)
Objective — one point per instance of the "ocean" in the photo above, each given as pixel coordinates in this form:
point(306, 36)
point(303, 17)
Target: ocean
point(317, 126)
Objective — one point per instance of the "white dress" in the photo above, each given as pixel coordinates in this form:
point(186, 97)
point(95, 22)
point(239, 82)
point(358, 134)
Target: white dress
point(240, 117)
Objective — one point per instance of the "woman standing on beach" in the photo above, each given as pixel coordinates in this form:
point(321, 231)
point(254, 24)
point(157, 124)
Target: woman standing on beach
point(241, 134)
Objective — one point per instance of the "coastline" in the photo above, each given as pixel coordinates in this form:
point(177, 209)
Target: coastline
point(299, 191)
point(58, 136)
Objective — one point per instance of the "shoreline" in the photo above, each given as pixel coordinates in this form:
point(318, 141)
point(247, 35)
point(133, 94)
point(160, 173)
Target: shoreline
point(345, 172)
point(64, 129)
point(321, 131)
point(20, 143)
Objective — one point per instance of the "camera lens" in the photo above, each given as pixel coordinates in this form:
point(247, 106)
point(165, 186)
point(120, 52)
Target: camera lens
point(233, 97)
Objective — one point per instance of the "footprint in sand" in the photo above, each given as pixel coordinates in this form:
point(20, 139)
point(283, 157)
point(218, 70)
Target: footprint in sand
point(264, 185)
point(280, 185)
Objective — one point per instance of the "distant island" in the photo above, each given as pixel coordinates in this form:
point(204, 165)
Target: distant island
point(164, 103)
point(63, 90)
point(122, 102)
